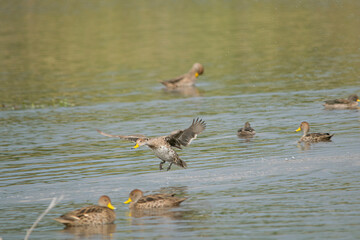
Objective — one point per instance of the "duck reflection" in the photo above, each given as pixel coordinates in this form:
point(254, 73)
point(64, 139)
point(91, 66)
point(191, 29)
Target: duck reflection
point(168, 213)
point(103, 231)
point(190, 91)
point(246, 138)
point(305, 146)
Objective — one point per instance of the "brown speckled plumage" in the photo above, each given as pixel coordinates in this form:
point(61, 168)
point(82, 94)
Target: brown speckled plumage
point(246, 131)
point(162, 146)
point(91, 215)
point(313, 137)
point(187, 79)
point(351, 102)
point(137, 200)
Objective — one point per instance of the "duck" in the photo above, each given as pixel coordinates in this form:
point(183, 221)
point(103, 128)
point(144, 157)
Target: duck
point(103, 213)
point(312, 137)
point(163, 146)
point(350, 103)
point(246, 131)
point(185, 80)
point(137, 200)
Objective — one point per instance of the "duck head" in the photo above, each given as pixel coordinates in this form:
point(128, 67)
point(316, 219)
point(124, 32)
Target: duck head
point(104, 201)
point(247, 125)
point(304, 126)
point(197, 69)
point(140, 142)
point(353, 98)
point(134, 196)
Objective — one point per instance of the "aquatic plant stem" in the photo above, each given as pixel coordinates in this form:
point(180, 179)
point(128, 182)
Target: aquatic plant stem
point(52, 204)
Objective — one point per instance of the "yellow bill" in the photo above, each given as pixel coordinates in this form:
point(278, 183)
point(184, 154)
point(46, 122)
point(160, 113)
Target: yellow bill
point(299, 129)
point(358, 100)
point(196, 74)
point(128, 201)
point(111, 206)
point(136, 146)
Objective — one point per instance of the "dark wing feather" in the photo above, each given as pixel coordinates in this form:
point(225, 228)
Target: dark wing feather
point(154, 197)
point(337, 101)
point(319, 136)
point(247, 129)
point(132, 138)
point(183, 138)
point(81, 213)
point(87, 210)
point(174, 80)
point(173, 139)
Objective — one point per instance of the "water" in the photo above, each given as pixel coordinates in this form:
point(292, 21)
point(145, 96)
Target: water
point(69, 68)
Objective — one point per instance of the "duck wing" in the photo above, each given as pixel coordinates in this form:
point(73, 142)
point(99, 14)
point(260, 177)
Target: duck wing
point(132, 138)
point(180, 138)
point(246, 129)
point(174, 80)
point(320, 136)
point(337, 101)
point(154, 197)
point(86, 215)
point(159, 201)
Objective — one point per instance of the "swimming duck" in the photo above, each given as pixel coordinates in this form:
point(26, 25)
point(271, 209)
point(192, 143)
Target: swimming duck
point(351, 102)
point(312, 137)
point(187, 79)
point(137, 200)
point(246, 131)
point(103, 213)
point(162, 146)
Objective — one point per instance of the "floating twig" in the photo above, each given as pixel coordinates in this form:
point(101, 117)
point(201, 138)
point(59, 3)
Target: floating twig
point(52, 204)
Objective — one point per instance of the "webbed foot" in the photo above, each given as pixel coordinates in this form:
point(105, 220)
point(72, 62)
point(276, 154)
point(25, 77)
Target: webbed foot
point(169, 167)
point(160, 166)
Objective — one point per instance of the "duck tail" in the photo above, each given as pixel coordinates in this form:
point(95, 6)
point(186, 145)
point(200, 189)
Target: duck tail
point(168, 84)
point(63, 221)
point(67, 219)
point(181, 163)
point(180, 201)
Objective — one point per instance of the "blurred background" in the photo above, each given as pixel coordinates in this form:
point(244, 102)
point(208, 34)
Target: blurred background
point(88, 52)
point(70, 67)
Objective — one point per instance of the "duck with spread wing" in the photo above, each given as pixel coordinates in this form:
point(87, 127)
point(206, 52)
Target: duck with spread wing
point(163, 146)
